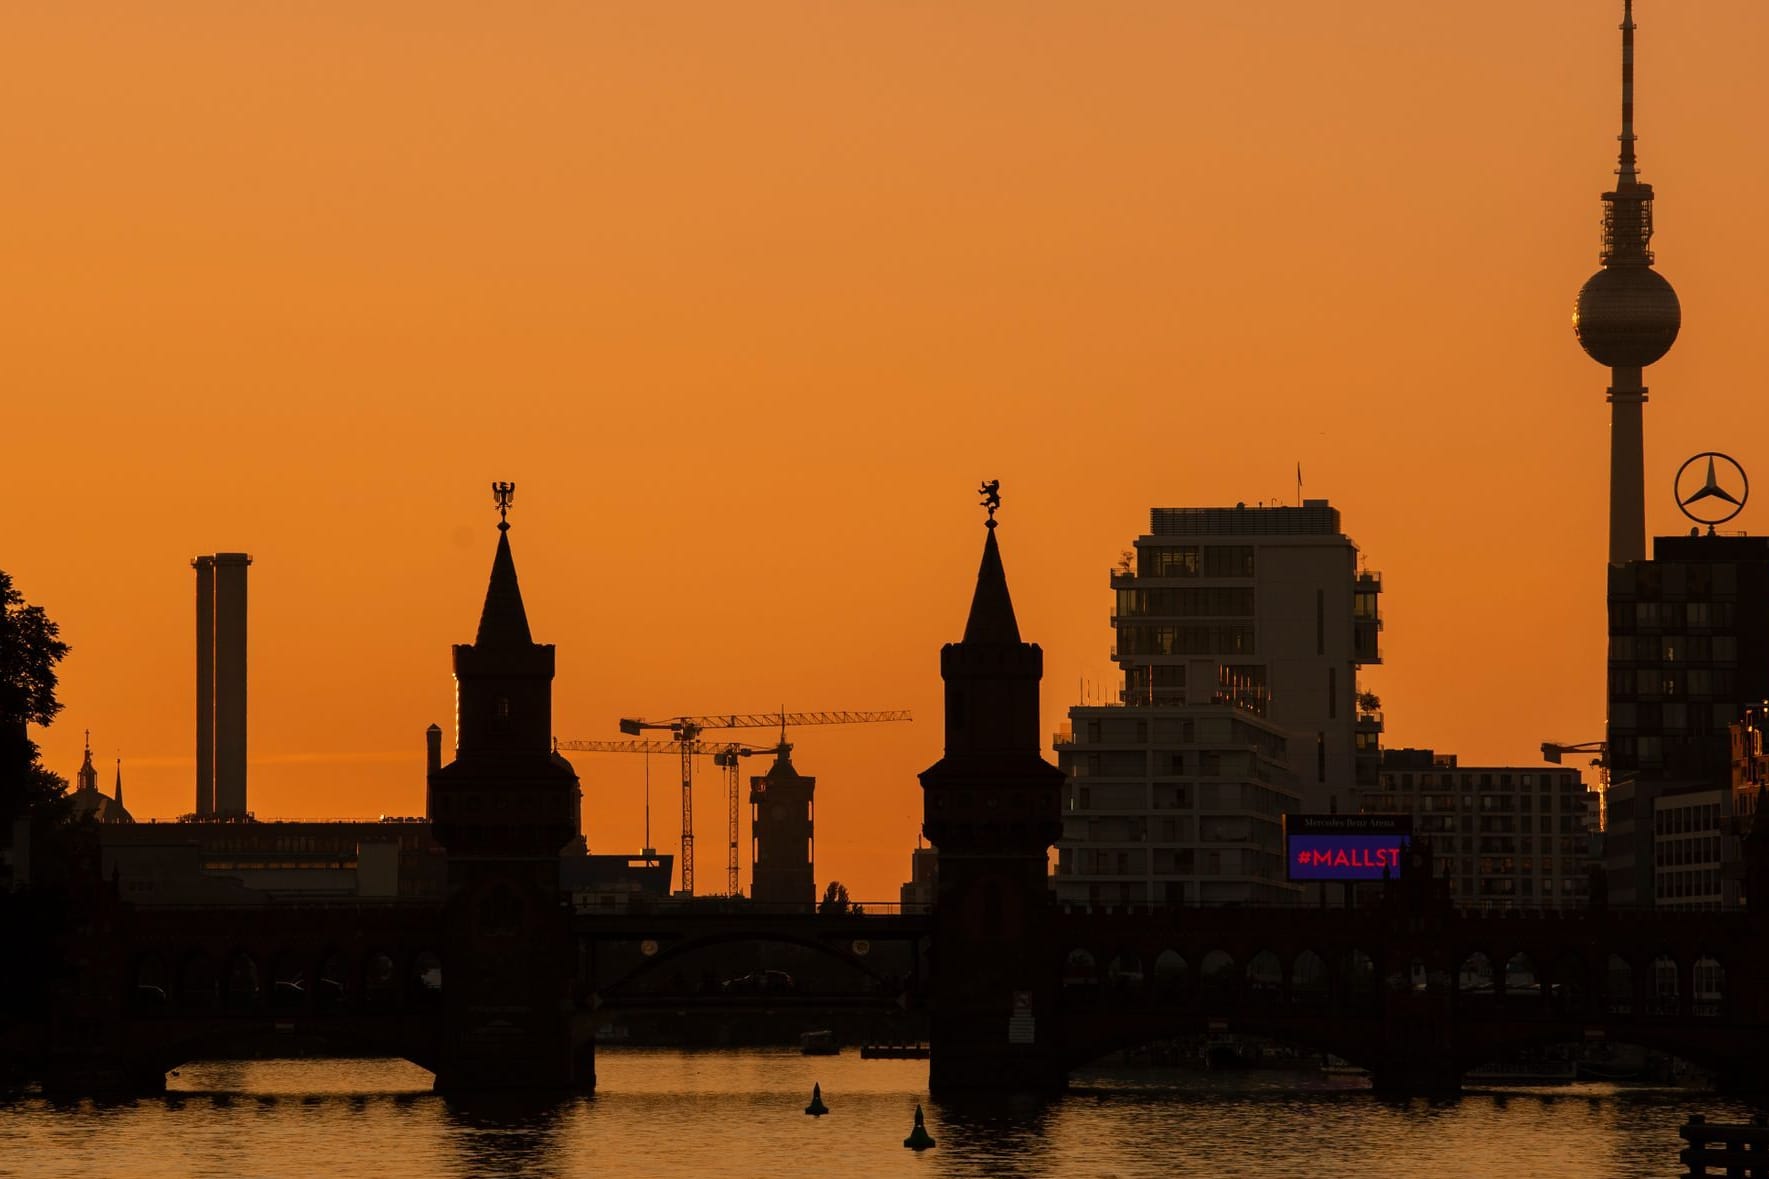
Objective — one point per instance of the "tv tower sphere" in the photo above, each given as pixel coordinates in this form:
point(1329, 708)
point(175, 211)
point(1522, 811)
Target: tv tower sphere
point(1627, 316)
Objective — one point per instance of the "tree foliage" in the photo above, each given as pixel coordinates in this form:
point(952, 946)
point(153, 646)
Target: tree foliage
point(835, 900)
point(30, 648)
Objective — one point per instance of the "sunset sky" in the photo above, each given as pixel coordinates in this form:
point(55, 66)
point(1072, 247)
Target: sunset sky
point(748, 297)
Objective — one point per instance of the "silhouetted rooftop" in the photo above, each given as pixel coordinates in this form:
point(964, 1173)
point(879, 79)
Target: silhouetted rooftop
point(1314, 517)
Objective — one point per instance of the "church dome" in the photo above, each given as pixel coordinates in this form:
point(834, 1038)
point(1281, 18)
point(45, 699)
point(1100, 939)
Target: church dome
point(1627, 316)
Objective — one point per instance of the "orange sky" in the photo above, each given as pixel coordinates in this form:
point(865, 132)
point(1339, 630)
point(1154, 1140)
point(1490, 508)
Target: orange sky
point(748, 297)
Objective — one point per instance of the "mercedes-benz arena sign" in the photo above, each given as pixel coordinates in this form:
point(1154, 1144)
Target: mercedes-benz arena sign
point(1345, 847)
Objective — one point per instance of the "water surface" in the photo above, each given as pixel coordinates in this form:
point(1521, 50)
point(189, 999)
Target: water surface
point(739, 1113)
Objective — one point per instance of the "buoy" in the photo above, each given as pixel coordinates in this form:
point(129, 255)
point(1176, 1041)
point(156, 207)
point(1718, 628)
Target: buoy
point(918, 1138)
point(816, 1109)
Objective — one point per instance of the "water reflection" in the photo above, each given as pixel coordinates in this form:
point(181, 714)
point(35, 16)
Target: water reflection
point(1008, 1131)
point(506, 1134)
point(735, 1114)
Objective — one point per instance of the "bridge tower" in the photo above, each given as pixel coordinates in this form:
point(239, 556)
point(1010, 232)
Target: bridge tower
point(992, 808)
point(504, 808)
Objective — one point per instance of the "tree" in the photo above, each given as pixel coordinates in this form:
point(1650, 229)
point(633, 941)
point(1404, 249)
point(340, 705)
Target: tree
point(30, 647)
point(835, 901)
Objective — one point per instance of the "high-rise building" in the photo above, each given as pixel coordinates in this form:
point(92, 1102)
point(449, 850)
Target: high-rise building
point(917, 893)
point(1501, 835)
point(221, 683)
point(1240, 634)
point(1627, 317)
point(1264, 609)
point(1688, 657)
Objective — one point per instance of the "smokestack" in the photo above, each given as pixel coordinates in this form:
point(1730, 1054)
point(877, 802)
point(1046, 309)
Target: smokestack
point(221, 683)
point(433, 749)
point(205, 567)
point(230, 683)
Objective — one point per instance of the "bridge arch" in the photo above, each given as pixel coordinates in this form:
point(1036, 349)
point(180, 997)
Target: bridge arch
point(1309, 984)
point(1665, 997)
point(674, 954)
point(425, 980)
point(1519, 980)
point(332, 983)
point(1475, 979)
point(1171, 975)
point(1265, 977)
point(290, 981)
point(1618, 985)
point(381, 980)
point(1707, 996)
point(199, 982)
point(243, 986)
point(1217, 980)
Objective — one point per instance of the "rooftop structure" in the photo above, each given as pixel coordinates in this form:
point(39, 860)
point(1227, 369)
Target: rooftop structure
point(88, 800)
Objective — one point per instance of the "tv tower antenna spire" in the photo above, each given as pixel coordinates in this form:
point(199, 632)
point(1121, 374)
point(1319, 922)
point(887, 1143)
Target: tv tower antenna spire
point(1627, 317)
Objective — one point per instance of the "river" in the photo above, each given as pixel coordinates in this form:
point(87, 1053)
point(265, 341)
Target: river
point(739, 1113)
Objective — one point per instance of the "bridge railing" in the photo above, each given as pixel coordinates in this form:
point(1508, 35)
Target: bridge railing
point(742, 906)
point(1486, 907)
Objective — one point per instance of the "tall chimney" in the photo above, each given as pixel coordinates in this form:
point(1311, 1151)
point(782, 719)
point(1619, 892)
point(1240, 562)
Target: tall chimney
point(205, 567)
point(433, 749)
point(230, 683)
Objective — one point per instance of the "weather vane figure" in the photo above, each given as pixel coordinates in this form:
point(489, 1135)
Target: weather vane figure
point(991, 493)
point(504, 494)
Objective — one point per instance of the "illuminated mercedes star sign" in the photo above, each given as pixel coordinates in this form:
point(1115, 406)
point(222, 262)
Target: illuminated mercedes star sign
point(1708, 502)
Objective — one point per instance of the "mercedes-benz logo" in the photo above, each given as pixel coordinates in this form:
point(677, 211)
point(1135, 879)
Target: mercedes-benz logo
point(1707, 502)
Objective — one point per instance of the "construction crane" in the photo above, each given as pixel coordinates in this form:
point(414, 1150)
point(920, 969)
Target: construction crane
point(685, 740)
point(1553, 751)
point(723, 753)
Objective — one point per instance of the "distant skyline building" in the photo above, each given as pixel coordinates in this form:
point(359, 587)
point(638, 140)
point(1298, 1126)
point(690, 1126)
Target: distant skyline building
point(1501, 835)
point(221, 683)
point(1240, 635)
point(782, 835)
point(1626, 318)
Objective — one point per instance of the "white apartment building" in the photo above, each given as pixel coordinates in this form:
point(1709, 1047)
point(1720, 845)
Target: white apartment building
point(1266, 609)
point(1172, 806)
point(1240, 632)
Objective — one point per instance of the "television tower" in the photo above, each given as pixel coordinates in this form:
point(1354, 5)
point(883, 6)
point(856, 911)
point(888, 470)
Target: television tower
point(1627, 317)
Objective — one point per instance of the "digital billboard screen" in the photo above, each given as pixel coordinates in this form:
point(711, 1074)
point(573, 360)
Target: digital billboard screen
point(1345, 847)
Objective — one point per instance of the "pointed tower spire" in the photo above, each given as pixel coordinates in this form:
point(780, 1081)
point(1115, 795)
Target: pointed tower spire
point(991, 606)
point(1626, 170)
point(503, 621)
point(87, 779)
point(119, 790)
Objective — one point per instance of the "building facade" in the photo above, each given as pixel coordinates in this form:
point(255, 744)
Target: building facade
point(1240, 635)
point(1173, 805)
point(1501, 835)
point(782, 835)
point(1264, 609)
point(1688, 660)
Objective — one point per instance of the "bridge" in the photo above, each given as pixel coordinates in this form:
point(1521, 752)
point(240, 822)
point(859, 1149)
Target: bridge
point(501, 985)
